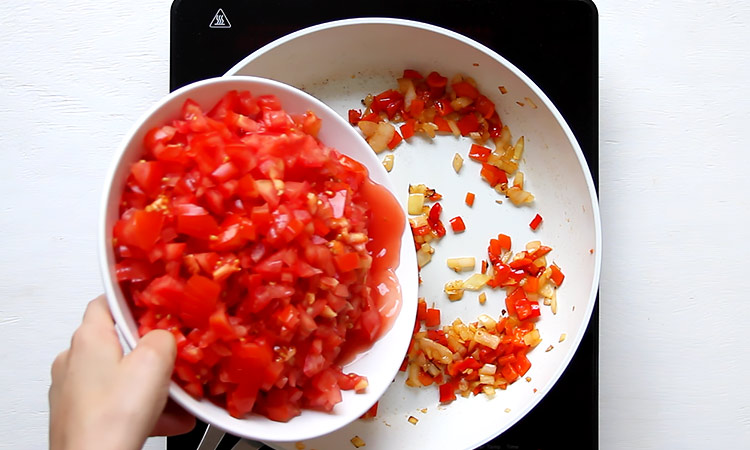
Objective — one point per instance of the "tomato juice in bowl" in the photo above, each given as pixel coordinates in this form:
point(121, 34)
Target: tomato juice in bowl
point(254, 223)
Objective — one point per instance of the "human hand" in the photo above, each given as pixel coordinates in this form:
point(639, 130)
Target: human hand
point(102, 399)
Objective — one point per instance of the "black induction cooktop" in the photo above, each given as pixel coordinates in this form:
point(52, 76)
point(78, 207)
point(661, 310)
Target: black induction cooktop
point(555, 42)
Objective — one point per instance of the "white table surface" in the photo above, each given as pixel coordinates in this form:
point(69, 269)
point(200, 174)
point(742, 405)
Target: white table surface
point(674, 190)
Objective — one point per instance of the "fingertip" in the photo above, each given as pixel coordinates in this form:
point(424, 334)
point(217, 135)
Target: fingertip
point(162, 341)
point(97, 312)
point(59, 365)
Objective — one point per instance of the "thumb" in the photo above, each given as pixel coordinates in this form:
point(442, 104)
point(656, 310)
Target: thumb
point(146, 372)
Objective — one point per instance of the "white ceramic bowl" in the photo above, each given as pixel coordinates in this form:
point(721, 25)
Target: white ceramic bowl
point(379, 364)
point(340, 63)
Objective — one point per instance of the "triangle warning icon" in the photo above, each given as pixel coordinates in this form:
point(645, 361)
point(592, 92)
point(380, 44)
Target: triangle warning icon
point(220, 20)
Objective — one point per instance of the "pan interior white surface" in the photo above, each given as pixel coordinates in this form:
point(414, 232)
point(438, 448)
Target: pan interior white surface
point(342, 62)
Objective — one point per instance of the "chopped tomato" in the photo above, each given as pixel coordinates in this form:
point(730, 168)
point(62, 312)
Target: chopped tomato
point(140, 229)
point(225, 240)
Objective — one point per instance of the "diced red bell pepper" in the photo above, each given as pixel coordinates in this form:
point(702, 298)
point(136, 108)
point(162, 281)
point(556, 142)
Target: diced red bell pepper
point(457, 224)
point(493, 175)
point(469, 198)
point(535, 222)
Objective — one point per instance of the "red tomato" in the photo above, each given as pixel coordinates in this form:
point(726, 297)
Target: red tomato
point(225, 238)
point(141, 229)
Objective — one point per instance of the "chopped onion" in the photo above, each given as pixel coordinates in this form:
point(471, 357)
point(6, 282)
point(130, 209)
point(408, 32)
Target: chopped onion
point(454, 289)
point(488, 369)
point(382, 137)
point(519, 196)
point(388, 162)
point(532, 338)
point(486, 339)
point(435, 351)
point(415, 204)
point(533, 245)
point(424, 254)
point(461, 102)
point(553, 306)
point(454, 127)
point(486, 379)
point(487, 321)
point(476, 281)
point(518, 149)
point(459, 264)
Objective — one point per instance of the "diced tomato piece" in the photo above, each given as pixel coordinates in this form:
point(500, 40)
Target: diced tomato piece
point(201, 226)
point(148, 175)
point(203, 294)
point(142, 229)
point(135, 270)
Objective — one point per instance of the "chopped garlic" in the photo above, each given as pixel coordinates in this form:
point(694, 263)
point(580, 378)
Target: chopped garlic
point(458, 162)
point(388, 162)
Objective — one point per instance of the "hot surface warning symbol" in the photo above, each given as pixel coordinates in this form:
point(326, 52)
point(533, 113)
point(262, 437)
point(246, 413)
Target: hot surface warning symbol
point(220, 20)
